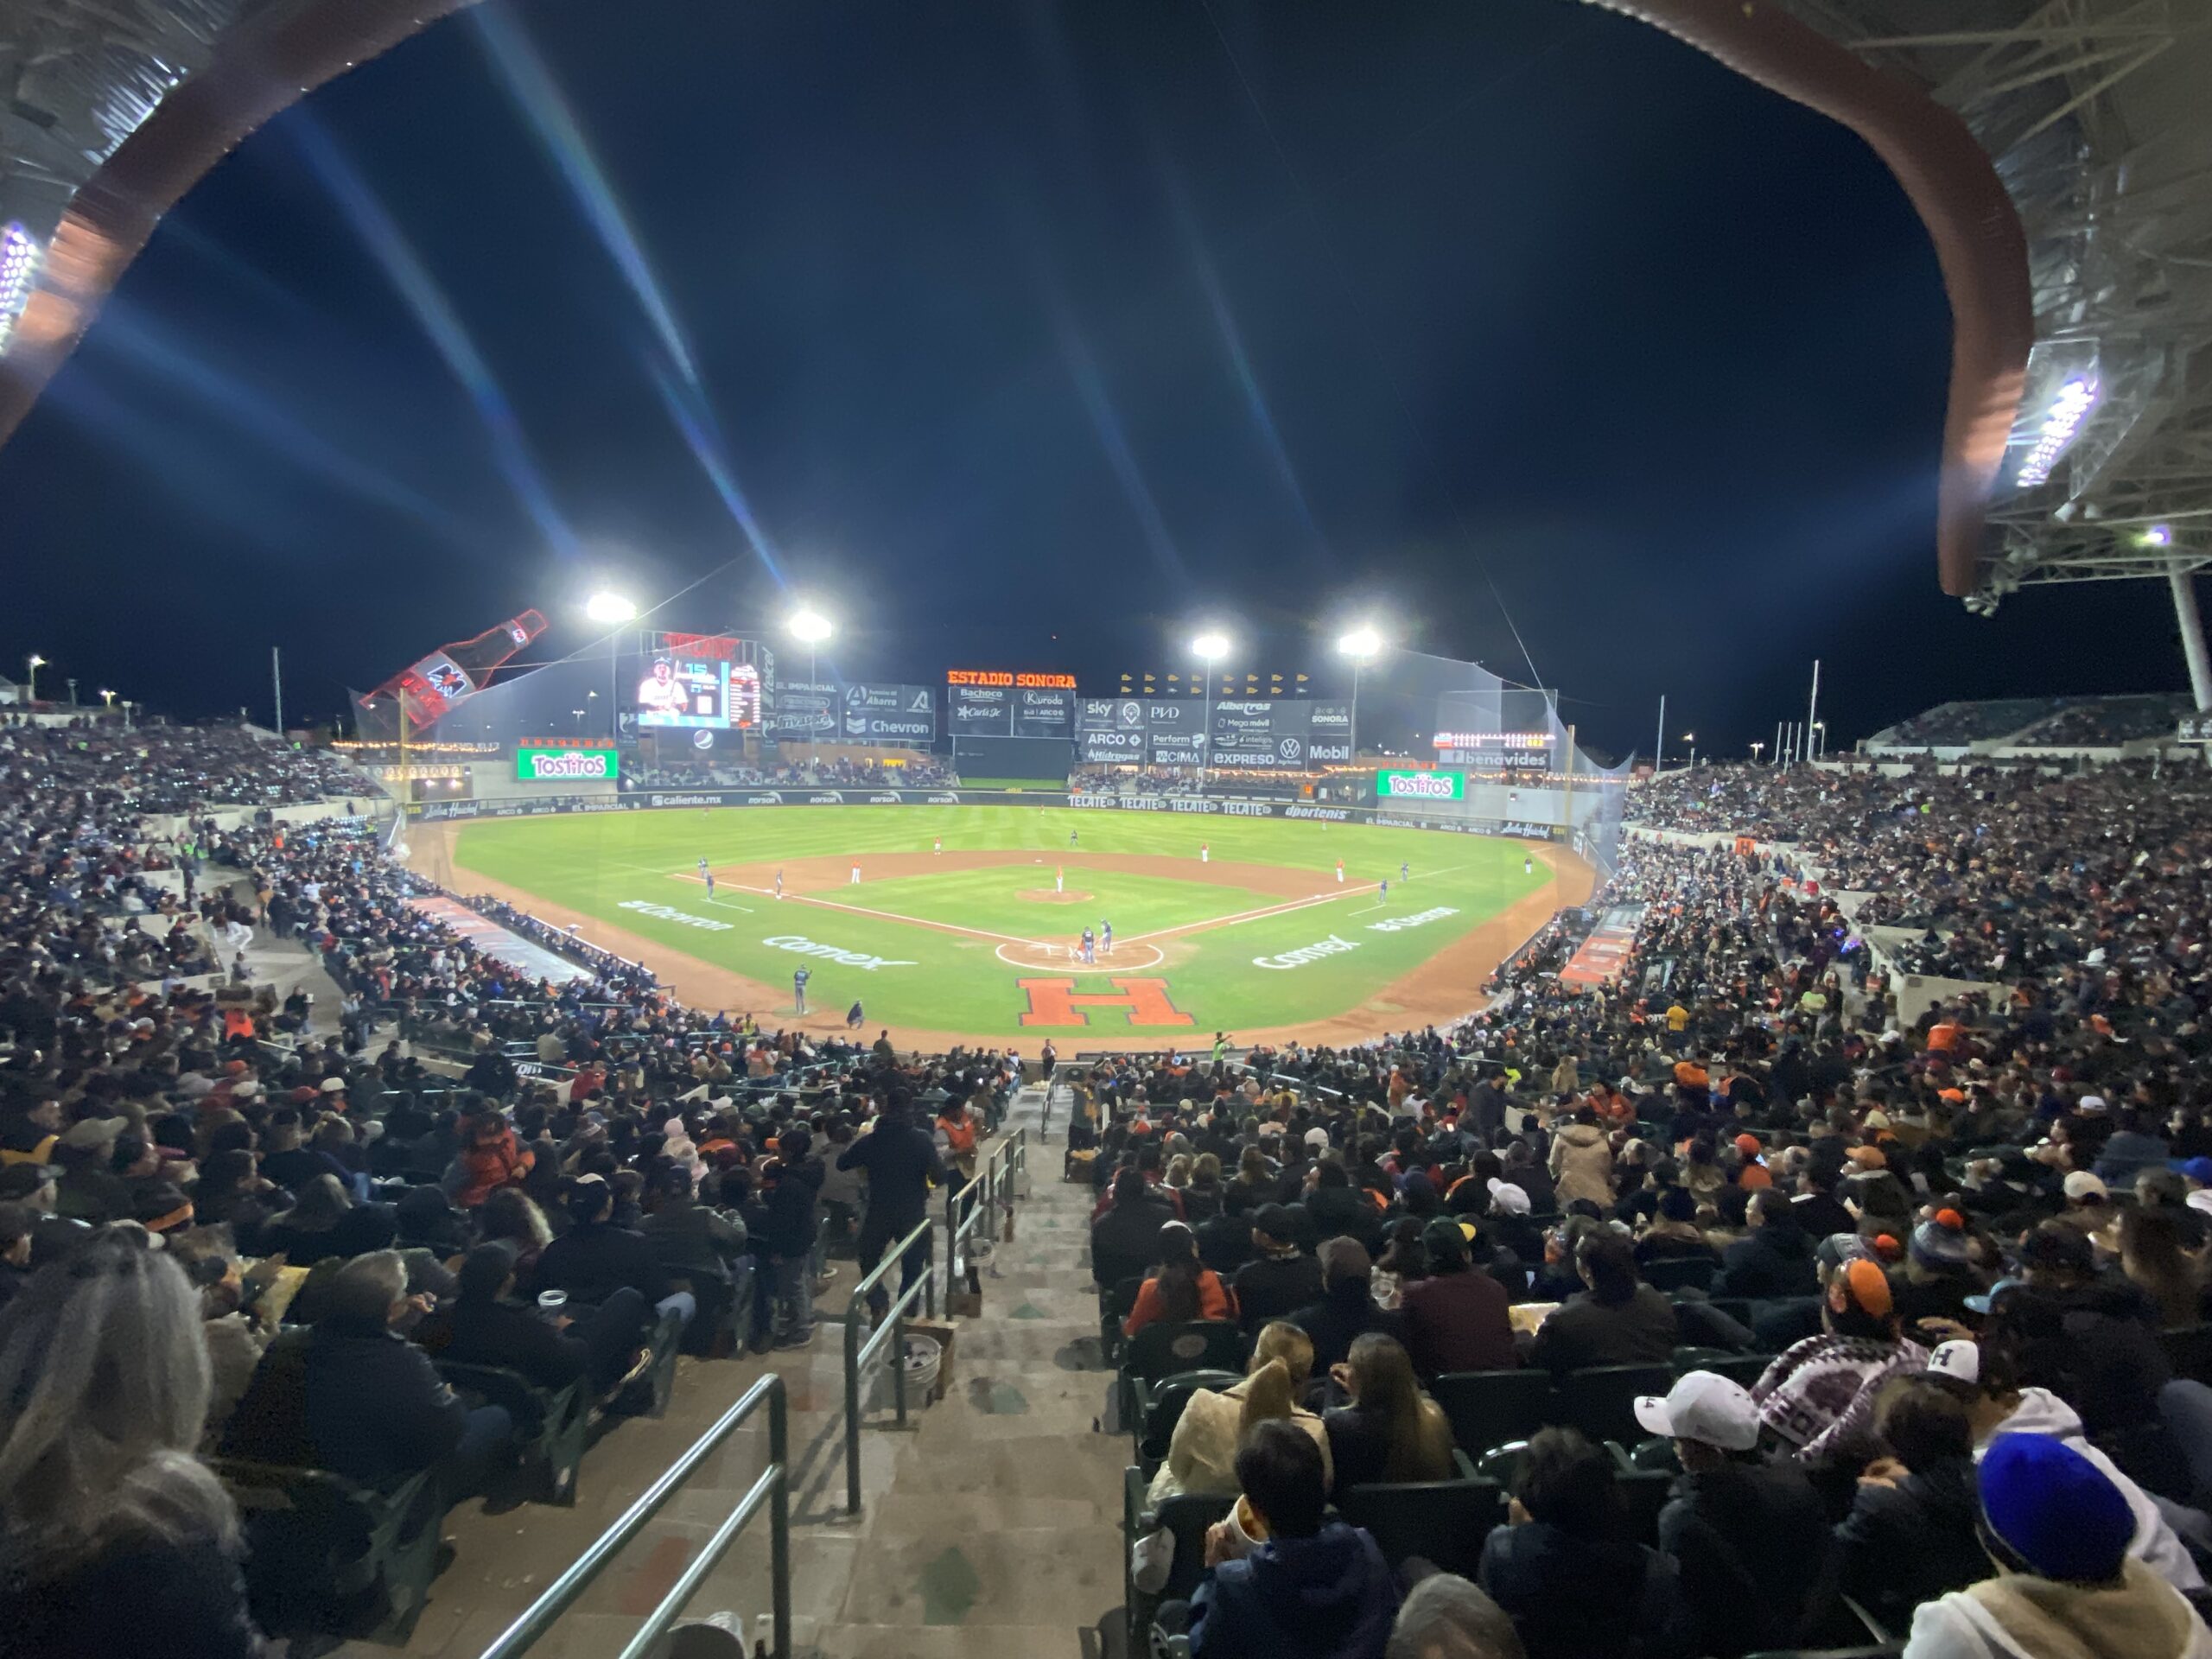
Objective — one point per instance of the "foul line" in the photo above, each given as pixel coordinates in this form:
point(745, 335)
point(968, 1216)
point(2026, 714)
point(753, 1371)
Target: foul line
point(889, 916)
point(1255, 915)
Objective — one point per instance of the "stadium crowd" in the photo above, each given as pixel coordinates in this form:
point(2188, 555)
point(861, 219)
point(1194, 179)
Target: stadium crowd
point(920, 772)
point(1915, 1309)
point(1920, 1309)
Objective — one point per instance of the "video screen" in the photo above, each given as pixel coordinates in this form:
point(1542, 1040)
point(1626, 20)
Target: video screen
point(685, 691)
point(744, 696)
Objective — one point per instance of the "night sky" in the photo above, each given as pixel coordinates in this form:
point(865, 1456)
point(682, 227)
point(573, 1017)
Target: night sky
point(1034, 335)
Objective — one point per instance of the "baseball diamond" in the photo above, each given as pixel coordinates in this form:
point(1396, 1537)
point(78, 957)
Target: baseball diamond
point(982, 941)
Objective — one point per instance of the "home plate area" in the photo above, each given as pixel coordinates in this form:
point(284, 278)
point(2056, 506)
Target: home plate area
point(1058, 956)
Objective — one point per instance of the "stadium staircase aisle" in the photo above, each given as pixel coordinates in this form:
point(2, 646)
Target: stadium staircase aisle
point(989, 1528)
point(998, 1536)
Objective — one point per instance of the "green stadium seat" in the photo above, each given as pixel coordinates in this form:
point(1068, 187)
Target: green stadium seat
point(328, 1558)
point(551, 1426)
point(1156, 1407)
point(1601, 1400)
point(1489, 1409)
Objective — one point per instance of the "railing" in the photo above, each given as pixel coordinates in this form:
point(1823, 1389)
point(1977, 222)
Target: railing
point(964, 1211)
point(892, 1328)
point(773, 1488)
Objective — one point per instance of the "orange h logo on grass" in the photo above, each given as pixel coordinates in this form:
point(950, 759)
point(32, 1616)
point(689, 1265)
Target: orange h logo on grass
point(1054, 1002)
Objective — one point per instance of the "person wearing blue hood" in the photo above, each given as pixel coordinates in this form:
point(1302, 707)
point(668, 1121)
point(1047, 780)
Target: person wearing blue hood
point(1313, 1589)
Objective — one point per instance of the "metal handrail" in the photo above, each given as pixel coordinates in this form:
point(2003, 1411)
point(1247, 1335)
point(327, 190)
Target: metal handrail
point(773, 1488)
point(1010, 1154)
point(891, 1328)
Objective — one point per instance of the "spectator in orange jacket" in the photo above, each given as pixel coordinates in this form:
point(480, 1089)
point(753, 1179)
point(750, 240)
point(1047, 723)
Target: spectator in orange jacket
point(492, 1159)
point(1183, 1290)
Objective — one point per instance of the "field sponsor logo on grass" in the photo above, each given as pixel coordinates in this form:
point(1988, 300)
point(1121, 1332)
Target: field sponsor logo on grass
point(799, 944)
point(1141, 1002)
point(1332, 946)
point(646, 907)
point(1400, 924)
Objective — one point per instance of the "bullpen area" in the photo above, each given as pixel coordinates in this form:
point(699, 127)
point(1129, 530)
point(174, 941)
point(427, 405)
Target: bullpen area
point(957, 924)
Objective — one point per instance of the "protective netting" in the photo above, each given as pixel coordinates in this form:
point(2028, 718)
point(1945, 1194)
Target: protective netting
point(1497, 755)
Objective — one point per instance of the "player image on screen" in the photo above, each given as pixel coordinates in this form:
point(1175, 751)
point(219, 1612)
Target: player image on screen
point(684, 692)
point(660, 690)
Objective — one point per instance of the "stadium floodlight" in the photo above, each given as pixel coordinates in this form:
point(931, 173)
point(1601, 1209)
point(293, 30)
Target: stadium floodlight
point(2157, 535)
point(612, 608)
point(33, 662)
point(107, 697)
point(809, 627)
point(1209, 648)
point(2066, 412)
point(1362, 644)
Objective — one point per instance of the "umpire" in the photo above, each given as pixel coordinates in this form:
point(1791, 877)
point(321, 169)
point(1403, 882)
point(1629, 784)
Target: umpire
point(902, 1165)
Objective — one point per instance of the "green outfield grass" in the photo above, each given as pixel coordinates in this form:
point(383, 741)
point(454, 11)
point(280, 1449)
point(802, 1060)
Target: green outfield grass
point(908, 969)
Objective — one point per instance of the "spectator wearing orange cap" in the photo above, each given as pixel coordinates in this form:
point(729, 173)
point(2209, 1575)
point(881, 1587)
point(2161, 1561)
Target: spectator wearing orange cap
point(1818, 1398)
point(1753, 1176)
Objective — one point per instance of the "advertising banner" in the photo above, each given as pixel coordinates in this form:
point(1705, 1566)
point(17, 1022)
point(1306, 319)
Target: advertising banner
point(1175, 748)
point(1043, 712)
point(1110, 748)
point(1328, 739)
point(806, 708)
point(889, 714)
point(980, 710)
point(566, 766)
point(1421, 786)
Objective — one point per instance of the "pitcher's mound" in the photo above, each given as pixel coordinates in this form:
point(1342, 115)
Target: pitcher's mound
point(1047, 896)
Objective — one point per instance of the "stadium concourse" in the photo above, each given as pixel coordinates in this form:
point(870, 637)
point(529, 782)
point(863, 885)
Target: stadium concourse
point(1742, 1294)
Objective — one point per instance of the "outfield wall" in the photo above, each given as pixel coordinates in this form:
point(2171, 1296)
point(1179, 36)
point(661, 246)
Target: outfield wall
point(1192, 805)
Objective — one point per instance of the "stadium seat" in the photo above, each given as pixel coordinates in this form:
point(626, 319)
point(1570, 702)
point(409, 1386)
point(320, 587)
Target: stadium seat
point(1114, 1306)
point(1445, 1522)
point(552, 1427)
point(1186, 1518)
point(1163, 1349)
point(1156, 1407)
point(1658, 1452)
point(2189, 1350)
point(1682, 1273)
point(648, 1396)
point(1487, 1408)
point(329, 1559)
point(1601, 1401)
point(1746, 1368)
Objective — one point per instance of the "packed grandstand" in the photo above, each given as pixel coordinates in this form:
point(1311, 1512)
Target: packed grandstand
point(1699, 1309)
point(1830, 1273)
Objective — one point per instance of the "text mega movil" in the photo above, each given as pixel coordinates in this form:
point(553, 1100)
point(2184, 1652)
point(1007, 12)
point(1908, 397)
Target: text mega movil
point(1421, 785)
point(565, 765)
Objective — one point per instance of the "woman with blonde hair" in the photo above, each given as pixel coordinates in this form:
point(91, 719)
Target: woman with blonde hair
point(1391, 1431)
point(1202, 1455)
point(104, 1513)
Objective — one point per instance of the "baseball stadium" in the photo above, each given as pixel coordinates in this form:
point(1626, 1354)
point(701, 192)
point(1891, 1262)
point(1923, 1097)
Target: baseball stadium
point(735, 1117)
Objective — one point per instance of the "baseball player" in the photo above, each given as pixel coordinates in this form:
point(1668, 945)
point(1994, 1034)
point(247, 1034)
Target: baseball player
point(1405, 873)
point(780, 884)
point(1528, 865)
point(938, 845)
point(1205, 852)
point(855, 881)
point(1106, 934)
point(1070, 836)
point(799, 976)
point(710, 884)
point(1386, 887)
point(702, 869)
point(1059, 878)
point(1340, 872)
point(1090, 946)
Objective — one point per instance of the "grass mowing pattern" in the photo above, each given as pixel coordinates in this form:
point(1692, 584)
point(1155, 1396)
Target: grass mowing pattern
point(931, 979)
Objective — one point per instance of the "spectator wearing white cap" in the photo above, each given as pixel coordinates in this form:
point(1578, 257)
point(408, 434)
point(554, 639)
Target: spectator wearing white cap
point(1751, 1538)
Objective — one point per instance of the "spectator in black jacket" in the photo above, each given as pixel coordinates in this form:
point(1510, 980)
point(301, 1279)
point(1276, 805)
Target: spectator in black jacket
point(1338, 1210)
point(1347, 1310)
point(1125, 1241)
point(902, 1165)
point(1618, 1320)
point(788, 1207)
point(1751, 1537)
point(327, 1223)
point(485, 1326)
point(1279, 1280)
point(352, 1397)
point(1909, 1537)
point(596, 1258)
point(1774, 1260)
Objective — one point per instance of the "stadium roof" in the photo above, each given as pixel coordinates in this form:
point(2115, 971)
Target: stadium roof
point(2079, 266)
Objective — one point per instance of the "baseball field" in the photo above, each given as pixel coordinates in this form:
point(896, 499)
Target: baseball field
point(963, 924)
